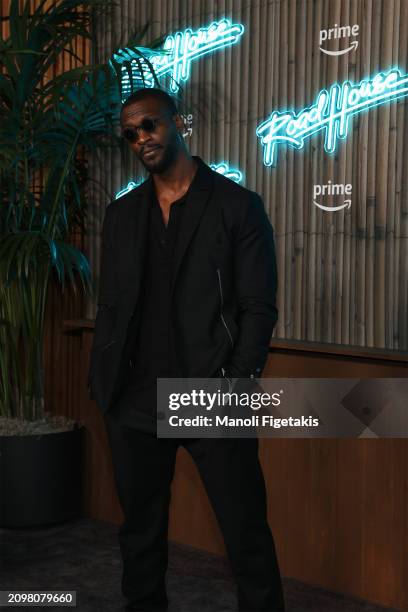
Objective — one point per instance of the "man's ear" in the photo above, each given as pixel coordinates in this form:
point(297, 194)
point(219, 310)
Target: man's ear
point(179, 121)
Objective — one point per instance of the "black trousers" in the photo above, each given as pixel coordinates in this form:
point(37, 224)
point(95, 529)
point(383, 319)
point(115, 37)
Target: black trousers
point(231, 473)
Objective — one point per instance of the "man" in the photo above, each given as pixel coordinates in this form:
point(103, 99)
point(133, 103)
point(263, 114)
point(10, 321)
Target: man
point(187, 289)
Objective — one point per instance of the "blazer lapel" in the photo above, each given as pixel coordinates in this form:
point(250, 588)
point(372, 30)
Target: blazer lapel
point(133, 235)
point(135, 225)
point(195, 206)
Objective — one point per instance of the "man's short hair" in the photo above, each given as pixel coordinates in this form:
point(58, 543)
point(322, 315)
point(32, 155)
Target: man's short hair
point(151, 92)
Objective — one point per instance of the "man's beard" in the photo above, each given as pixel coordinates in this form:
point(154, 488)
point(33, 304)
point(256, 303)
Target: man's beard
point(166, 159)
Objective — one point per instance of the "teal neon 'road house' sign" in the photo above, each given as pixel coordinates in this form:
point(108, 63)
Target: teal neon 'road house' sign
point(330, 113)
point(180, 49)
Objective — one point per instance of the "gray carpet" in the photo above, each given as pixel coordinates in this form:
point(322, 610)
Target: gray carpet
point(83, 555)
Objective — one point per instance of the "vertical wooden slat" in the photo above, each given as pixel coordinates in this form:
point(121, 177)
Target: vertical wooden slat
point(315, 12)
point(371, 179)
point(290, 102)
point(402, 318)
point(401, 118)
point(282, 181)
point(299, 182)
point(381, 282)
point(351, 215)
point(391, 289)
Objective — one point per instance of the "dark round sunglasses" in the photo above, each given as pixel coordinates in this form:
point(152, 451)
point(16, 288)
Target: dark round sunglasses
point(148, 125)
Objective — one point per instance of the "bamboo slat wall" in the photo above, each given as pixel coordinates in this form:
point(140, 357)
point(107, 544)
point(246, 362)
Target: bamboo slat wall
point(343, 276)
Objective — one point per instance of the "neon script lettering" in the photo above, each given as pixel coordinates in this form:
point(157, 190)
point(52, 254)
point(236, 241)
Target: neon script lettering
point(330, 113)
point(232, 173)
point(129, 187)
point(179, 50)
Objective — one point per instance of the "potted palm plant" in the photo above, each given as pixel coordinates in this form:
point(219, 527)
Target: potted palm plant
point(50, 120)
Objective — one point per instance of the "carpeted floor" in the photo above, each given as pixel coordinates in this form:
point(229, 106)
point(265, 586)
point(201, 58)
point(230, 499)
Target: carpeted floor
point(84, 556)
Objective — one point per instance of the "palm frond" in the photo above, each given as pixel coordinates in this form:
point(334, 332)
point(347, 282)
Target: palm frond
point(48, 123)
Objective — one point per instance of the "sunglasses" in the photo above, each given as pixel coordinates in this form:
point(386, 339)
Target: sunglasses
point(148, 125)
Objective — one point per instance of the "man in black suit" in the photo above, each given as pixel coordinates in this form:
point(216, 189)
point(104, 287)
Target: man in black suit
point(187, 289)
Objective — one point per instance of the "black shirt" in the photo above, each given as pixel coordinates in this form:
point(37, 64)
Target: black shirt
point(153, 355)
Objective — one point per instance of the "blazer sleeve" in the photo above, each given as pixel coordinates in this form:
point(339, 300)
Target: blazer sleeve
point(107, 283)
point(107, 276)
point(255, 275)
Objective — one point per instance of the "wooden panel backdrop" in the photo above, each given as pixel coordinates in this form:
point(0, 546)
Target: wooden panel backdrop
point(338, 509)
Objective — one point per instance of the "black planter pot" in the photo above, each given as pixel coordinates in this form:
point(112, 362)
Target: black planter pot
point(40, 478)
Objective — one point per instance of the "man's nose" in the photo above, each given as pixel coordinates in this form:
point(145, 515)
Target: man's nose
point(142, 136)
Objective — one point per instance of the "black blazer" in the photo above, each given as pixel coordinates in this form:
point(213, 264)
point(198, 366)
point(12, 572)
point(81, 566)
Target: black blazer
point(223, 285)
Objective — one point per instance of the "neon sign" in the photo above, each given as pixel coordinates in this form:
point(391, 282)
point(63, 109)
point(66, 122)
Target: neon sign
point(129, 187)
point(330, 113)
point(179, 50)
point(225, 170)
